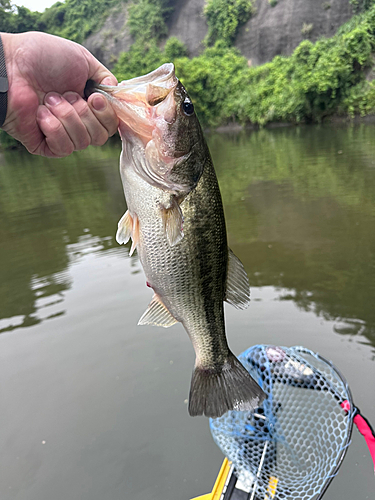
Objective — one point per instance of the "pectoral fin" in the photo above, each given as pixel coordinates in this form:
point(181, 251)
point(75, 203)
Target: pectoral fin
point(173, 222)
point(238, 289)
point(135, 235)
point(157, 314)
point(128, 227)
point(124, 230)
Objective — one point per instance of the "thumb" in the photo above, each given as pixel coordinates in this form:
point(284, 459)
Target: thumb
point(98, 72)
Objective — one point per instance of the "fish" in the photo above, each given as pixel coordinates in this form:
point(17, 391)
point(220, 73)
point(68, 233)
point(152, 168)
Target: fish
point(175, 220)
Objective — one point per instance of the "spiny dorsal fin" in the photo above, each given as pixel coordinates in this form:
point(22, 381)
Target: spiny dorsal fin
point(173, 221)
point(157, 314)
point(238, 289)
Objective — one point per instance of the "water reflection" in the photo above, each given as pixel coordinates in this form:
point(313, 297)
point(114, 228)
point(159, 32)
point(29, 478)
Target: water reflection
point(51, 211)
point(299, 203)
point(300, 208)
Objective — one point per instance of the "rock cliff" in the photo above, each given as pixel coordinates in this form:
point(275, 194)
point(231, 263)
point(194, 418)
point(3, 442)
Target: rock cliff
point(271, 30)
point(112, 39)
point(278, 30)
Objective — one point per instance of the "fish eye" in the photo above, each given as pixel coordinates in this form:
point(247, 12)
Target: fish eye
point(188, 107)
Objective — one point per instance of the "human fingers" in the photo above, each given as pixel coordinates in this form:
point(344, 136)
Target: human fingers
point(56, 142)
point(70, 120)
point(104, 112)
point(97, 131)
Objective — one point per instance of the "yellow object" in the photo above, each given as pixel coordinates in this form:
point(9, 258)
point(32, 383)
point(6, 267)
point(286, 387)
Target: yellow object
point(272, 485)
point(219, 483)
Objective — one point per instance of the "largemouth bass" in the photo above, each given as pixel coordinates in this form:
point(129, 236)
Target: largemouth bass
point(176, 222)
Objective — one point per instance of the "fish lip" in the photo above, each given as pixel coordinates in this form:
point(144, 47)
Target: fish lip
point(139, 90)
point(161, 75)
point(135, 101)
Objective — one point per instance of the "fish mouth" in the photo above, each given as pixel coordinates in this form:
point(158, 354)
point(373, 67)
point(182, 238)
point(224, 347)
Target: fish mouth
point(141, 101)
point(147, 107)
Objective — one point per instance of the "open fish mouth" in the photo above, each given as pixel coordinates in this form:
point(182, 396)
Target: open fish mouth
point(149, 89)
point(141, 101)
point(151, 121)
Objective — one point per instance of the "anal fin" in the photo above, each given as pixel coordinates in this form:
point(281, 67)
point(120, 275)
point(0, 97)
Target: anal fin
point(157, 314)
point(238, 289)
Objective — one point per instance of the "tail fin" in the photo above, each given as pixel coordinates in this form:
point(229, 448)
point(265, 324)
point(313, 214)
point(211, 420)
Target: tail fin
point(214, 392)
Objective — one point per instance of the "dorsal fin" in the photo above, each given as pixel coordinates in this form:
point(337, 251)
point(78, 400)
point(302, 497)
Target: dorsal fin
point(157, 314)
point(238, 289)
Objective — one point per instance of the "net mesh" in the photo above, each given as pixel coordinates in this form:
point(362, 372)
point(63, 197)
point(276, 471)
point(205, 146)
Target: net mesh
point(292, 445)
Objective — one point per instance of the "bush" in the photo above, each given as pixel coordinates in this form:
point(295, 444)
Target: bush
point(307, 28)
point(17, 19)
point(308, 85)
point(147, 19)
point(73, 19)
point(174, 49)
point(210, 80)
point(317, 80)
point(141, 58)
point(360, 101)
point(224, 17)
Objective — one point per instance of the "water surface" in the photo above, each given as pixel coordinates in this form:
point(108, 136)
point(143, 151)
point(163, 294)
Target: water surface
point(94, 407)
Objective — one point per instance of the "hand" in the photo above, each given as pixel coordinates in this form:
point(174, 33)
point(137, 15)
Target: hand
point(46, 110)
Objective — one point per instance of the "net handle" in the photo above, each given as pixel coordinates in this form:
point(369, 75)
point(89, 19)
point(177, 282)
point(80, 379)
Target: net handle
point(259, 470)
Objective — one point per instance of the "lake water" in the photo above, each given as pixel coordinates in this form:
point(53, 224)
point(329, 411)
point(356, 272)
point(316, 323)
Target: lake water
point(93, 407)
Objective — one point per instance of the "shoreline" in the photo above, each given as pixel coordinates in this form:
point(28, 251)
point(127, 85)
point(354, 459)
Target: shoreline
point(235, 127)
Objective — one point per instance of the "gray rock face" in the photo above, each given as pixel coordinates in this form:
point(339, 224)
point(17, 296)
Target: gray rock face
point(271, 31)
point(278, 30)
point(188, 24)
point(112, 39)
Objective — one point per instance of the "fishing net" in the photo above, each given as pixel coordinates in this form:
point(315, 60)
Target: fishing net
point(292, 446)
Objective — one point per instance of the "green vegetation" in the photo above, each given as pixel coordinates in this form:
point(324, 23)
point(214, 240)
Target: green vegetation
point(147, 19)
point(307, 28)
point(145, 56)
point(207, 77)
point(147, 25)
point(317, 80)
point(16, 19)
point(73, 19)
point(224, 17)
point(361, 5)
point(210, 80)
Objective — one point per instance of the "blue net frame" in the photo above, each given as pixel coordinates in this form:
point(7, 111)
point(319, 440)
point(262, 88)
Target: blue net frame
point(293, 445)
